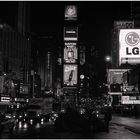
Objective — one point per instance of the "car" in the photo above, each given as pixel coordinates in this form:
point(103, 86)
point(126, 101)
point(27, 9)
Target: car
point(72, 121)
point(96, 117)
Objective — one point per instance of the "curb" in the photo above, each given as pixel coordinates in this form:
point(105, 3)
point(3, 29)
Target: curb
point(132, 129)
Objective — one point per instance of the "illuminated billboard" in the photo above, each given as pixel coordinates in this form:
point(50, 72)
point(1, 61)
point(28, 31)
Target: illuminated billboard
point(129, 49)
point(70, 33)
point(130, 99)
point(117, 74)
point(70, 12)
point(70, 75)
point(115, 79)
point(70, 52)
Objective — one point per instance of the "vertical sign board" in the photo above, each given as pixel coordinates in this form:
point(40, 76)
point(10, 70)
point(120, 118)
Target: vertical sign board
point(70, 57)
point(70, 12)
point(129, 50)
point(70, 75)
point(70, 33)
point(70, 52)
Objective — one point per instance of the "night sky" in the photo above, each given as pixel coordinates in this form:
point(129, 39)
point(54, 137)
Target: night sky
point(95, 19)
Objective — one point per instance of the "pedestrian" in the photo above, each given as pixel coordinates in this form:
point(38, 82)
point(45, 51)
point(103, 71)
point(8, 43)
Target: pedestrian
point(2, 117)
point(107, 118)
point(135, 111)
point(11, 128)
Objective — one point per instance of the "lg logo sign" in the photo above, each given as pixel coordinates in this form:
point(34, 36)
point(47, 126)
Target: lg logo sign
point(132, 39)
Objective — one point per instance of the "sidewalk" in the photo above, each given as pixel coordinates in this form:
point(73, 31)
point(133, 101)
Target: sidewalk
point(130, 123)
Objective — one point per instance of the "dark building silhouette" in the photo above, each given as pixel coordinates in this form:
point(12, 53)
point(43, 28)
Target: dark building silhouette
point(15, 44)
point(23, 22)
point(135, 10)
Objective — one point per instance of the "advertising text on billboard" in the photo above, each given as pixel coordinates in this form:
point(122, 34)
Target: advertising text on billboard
point(70, 33)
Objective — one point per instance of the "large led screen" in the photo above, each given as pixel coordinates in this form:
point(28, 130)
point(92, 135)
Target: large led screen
point(70, 75)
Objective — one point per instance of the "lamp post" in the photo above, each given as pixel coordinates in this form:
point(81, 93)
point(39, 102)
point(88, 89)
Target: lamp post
point(107, 60)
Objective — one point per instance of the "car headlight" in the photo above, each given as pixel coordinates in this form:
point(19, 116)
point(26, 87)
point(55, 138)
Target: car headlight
point(25, 114)
point(37, 125)
point(25, 125)
point(39, 114)
point(55, 115)
point(20, 124)
point(63, 110)
point(8, 116)
point(82, 111)
point(42, 121)
point(31, 121)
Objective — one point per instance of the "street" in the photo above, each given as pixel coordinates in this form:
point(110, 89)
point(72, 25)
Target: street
point(118, 130)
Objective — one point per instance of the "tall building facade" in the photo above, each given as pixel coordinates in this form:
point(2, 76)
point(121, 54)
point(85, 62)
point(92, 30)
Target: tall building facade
point(46, 58)
point(136, 13)
point(15, 52)
point(23, 20)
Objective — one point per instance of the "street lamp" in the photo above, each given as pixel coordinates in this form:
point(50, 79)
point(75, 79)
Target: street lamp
point(108, 58)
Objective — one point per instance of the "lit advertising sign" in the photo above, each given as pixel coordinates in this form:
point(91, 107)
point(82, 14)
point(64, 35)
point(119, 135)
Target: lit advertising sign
point(70, 52)
point(117, 74)
point(70, 12)
point(70, 33)
point(125, 100)
point(5, 99)
point(115, 79)
point(70, 75)
point(129, 50)
point(130, 100)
